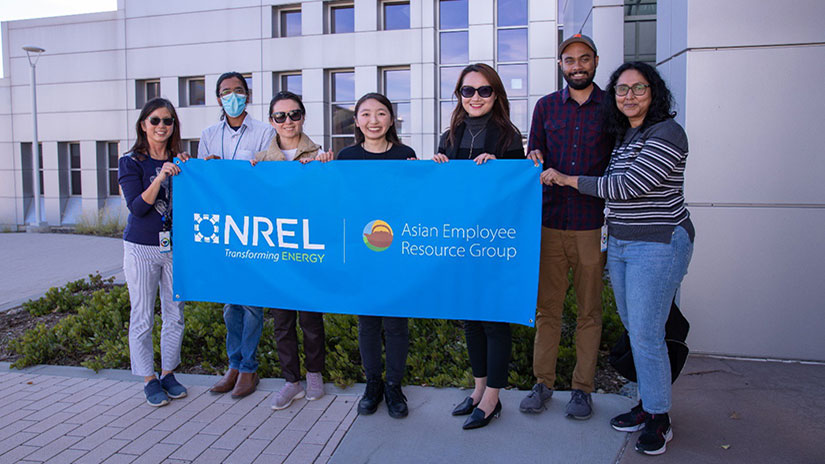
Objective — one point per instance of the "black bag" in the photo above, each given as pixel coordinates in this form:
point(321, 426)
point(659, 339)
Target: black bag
point(676, 331)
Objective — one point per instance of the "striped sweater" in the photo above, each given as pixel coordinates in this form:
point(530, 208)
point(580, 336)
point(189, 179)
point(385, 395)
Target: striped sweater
point(644, 184)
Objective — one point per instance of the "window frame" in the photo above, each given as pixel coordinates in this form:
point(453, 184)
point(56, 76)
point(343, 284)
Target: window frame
point(382, 13)
point(331, 104)
point(72, 170)
point(330, 16)
point(278, 81)
point(279, 13)
point(525, 62)
point(142, 91)
point(185, 96)
point(450, 99)
point(111, 168)
point(406, 137)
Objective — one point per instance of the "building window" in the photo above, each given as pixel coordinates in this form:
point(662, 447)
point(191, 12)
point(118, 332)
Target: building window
point(511, 57)
point(191, 146)
point(341, 109)
point(640, 31)
point(453, 53)
point(112, 157)
point(248, 78)
point(145, 90)
point(341, 18)
point(26, 157)
point(395, 15)
point(286, 21)
point(291, 81)
point(192, 91)
point(395, 84)
point(75, 177)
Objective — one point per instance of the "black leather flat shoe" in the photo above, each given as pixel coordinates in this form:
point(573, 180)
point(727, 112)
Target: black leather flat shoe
point(477, 419)
point(465, 407)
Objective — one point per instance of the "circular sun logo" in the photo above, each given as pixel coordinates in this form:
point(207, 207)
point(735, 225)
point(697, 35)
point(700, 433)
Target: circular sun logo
point(378, 235)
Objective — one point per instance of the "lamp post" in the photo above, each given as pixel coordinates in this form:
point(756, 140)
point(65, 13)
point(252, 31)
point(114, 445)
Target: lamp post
point(33, 54)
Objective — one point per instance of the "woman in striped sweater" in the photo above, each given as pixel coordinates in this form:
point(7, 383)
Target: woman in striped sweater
point(650, 233)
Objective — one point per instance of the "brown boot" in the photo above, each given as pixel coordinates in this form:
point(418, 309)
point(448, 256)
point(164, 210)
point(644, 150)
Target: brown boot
point(227, 383)
point(245, 385)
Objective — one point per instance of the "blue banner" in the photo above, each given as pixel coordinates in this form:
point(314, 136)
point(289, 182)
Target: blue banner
point(388, 238)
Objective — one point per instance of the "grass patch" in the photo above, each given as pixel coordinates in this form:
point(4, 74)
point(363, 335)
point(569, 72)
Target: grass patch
point(104, 222)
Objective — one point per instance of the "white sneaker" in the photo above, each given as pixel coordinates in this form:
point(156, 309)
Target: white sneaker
point(288, 393)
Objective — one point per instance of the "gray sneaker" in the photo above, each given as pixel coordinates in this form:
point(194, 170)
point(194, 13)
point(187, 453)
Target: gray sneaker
point(535, 401)
point(288, 393)
point(315, 386)
point(580, 405)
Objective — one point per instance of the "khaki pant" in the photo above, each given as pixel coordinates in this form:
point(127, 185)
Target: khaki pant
point(560, 251)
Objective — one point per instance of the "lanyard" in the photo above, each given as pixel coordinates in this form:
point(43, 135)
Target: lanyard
point(223, 129)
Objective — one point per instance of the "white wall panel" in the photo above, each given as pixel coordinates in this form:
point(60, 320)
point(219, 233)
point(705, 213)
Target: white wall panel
point(157, 7)
point(733, 23)
point(229, 25)
point(752, 286)
point(75, 67)
point(71, 97)
point(750, 142)
point(67, 38)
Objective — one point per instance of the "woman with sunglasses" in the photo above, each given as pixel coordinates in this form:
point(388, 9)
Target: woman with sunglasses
point(237, 137)
point(286, 114)
point(377, 139)
point(480, 130)
point(144, 174)
point(650, 234)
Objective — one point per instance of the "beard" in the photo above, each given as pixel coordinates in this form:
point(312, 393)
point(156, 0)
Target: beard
point(578, 83)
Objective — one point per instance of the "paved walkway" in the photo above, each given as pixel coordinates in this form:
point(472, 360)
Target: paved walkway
point(32, 263)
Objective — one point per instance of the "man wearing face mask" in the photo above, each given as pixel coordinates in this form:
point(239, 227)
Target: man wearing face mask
point(237, 137)
point(566, 133)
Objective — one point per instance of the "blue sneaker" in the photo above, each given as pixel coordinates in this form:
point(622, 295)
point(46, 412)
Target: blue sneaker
point(155, 396)
point(171, 386)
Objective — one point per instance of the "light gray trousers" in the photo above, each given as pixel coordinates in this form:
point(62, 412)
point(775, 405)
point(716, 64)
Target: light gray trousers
point(147, 270)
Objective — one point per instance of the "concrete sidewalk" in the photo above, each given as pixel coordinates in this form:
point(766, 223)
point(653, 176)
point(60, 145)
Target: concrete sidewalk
point(32, 263)
point(724, 411)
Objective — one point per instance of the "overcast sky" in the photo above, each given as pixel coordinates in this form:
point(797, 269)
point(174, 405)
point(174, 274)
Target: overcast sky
point(26, 9)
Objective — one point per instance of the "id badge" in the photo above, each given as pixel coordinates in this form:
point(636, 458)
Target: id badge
point(603, 241)
point(165, 240)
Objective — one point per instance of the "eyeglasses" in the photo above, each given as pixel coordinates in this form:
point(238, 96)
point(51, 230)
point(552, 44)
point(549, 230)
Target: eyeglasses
point(237, 90)
point(154, 120)
point(280, 116)
point(638, 89)
point(485, 91)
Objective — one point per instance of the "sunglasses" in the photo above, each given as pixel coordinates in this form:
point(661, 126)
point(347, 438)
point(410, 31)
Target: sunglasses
point(154, 120)
point(485, 91)
point(280, 116)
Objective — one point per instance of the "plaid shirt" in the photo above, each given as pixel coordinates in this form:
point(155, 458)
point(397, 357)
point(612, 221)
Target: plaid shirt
point(569, 137)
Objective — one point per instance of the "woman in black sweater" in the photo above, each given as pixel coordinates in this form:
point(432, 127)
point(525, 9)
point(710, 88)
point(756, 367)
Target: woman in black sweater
point(480, 130)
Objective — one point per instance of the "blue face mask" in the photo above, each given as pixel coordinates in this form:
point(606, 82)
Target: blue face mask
point(234, 104)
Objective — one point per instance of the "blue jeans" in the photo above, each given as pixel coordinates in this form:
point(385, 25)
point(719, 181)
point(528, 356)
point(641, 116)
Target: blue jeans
point(244, 325)
point(645, 276)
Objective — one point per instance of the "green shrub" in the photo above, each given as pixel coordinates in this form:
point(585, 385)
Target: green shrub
point(94, 334)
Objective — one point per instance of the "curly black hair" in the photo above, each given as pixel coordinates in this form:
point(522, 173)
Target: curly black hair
point(661, 104)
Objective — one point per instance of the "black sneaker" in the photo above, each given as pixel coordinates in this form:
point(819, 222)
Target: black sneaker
point(656, 434)
point(372, 397)
point(630, 421)
point(396, 401)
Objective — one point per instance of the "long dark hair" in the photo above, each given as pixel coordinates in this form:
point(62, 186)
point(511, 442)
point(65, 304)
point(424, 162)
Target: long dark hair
point(392, 134)
point(229, 75)
point(141, 146)
point(661, 100)
point(286, 95)
point(501, 106)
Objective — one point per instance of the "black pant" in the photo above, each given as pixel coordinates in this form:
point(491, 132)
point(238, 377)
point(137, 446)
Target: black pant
point(489, 345)
point(312, 324)
point(396, 340)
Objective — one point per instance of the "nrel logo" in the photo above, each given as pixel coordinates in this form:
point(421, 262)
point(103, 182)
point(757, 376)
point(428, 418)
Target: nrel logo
point(378, 235)
point(250, 230)
point(211, 228)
